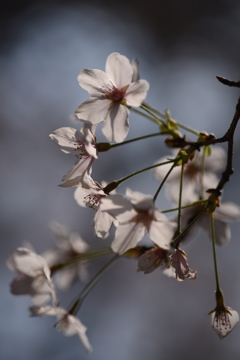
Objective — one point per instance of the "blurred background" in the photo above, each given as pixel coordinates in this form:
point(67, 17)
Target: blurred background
point(181, 47)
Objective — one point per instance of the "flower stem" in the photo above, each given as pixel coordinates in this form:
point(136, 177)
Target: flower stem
point(140, 171)
point(162, 183)
point(202, 175)
point(81, 257)
point(77, 304)
point(218, 288)
point(176, 241)
point(180, 201)
point(157, 121)
point(185, 206)
point(135, 139)
point(185, 127)
point(145, 108)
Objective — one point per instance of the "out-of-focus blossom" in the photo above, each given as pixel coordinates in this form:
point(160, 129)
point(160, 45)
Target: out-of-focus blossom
point(80, 143)
point(152, 259)
point(33, 277)
point(91, 194)
point(67, 324)
point(227, 211)
point(179, 263)
point(112, 92)
point(70, 245)
point(224, 319)
point(137, 215)
point(192, 175)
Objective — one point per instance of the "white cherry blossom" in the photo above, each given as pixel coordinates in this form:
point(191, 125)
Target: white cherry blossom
point(192, 174)
point(224, 319)
point(67, 324)
point(112, 92)
point(69, 245)
point(91, 194)
point(82, 144)
point(137, 215)
point(34, 276)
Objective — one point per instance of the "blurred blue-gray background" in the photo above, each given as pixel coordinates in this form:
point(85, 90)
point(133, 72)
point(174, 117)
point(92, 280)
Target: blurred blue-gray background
point(181, 47)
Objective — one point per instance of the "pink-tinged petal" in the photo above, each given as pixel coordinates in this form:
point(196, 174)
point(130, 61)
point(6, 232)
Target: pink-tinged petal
point(116, 124)
point(95, 81)
point(136, 93)
point(223, 322)
point(151, 260)
point(127, 236)
point(22, 285)
point(222, 230)
point(161, 233)
point(119, 70)
point(102, 223)
point(217, 160)
point(82, 167)
point(94, 110)
point(227, 211)
point(71, 183)
point(67, 139)
point(118, 206)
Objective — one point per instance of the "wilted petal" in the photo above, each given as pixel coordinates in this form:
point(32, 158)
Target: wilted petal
point(119, 70)
point(151, 260)
point(179, 263)
point(116, 124)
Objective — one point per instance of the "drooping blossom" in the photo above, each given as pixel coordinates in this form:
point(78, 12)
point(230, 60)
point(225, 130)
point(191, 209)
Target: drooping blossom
point(90, 194)
point(192, 186)
point(82, 144)
point(179, 263)
point(34, 276)
point(152, 259)
point(224, 318)
point(69, 246)
point(137, 215)
point(227, 211)
point(112, 92)
point(67, 324)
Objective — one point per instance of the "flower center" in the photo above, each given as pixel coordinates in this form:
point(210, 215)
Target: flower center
point(221, 319)
point(93, 200)
point(115, 95)
point(80, 149)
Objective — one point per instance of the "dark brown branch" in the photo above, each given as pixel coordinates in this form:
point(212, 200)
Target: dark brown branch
point(228, 82)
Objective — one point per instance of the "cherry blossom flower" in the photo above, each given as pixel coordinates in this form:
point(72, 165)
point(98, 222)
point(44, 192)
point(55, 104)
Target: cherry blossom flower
point(80, 143)
point(33, 277)
point(90, 194)
point(179, 263)
point(227, 211)
point(224, 319)
point(112, 92)
point(70, 245)
point(192, 175)
point(67, 324)
point(137, 215)
point(152, 259)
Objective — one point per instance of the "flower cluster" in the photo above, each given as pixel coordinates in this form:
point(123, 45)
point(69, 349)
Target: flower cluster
point(194, 186)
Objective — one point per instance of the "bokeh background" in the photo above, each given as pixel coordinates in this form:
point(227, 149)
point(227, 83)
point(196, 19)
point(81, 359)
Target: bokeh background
point(181, 46)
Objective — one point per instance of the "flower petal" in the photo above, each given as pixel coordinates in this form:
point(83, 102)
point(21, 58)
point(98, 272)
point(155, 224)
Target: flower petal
point(161, 233)
point(94, 110)
point(127, 236)
point(102, 223)
point(119, 70)
point(136, 93)
point(94, 81)
point(116, 124)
